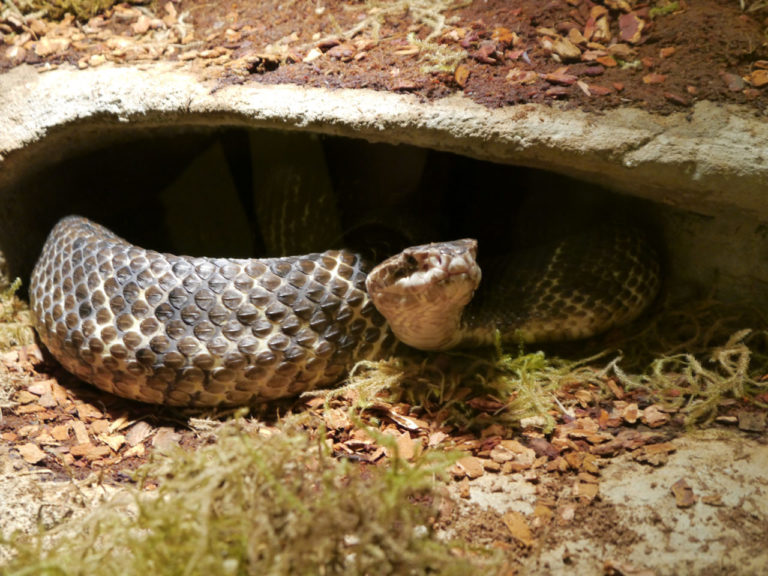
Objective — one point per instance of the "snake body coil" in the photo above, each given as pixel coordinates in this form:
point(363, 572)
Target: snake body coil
point(189, 331)
point(200, 331)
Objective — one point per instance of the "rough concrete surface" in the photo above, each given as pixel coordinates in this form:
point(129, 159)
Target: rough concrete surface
point(636, 522)
point(712, 156)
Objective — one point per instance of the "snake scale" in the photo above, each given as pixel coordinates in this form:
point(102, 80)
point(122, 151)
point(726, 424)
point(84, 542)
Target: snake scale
point(192, 331)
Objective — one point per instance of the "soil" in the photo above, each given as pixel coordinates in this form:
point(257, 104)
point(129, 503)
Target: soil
point(662, 56)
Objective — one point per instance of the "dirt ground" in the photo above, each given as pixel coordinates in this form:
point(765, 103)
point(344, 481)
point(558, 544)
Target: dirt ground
point(662, 56)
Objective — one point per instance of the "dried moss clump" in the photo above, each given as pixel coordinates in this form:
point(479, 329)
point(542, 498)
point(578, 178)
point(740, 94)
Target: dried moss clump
point(56, 9)
point(257, 505)
point(15, 320)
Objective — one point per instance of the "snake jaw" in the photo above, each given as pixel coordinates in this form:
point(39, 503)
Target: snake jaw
point(423, 290)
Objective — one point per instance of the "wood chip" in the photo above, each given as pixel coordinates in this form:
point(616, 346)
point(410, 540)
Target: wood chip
point(542, 515)
point(654, 78)
point(586, 492)
point(684, 496)
point(89, 451)
point(114, 441)
point(31, 453)
point(464, 489)
point(518, 528)
point(758, 78)
point(138, 433)
point(405, 446)
point(566, 50)
point(165, 438)
point(61, 432)
point(667, 52)
point(40, 388)
point(461, 75)
point(47, 46)
point(654, 417)
point(336, 419)
point(81, 433)
point(469, 467)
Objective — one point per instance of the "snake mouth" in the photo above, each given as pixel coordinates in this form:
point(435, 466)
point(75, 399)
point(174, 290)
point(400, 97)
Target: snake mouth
point(435, 273)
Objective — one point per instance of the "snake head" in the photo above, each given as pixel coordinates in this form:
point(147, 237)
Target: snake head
point(423, 290)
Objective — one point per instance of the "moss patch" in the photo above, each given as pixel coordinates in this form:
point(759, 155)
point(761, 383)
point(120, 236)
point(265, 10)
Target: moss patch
point(253, 504)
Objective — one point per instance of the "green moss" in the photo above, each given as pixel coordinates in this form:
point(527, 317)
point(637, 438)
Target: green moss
point(258, 505)
point(663, 9)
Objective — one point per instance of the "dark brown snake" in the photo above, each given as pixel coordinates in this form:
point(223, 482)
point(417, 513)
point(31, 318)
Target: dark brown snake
point(187, 331)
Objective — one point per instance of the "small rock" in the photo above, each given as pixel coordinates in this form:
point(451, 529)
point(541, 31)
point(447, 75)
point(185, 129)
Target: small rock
point(734, 82)
point(752, 421)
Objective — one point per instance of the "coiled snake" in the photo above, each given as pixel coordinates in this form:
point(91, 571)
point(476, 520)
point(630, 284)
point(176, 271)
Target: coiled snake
point(187, 331)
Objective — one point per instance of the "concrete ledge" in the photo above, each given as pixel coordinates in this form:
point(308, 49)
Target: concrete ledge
point(711, 156)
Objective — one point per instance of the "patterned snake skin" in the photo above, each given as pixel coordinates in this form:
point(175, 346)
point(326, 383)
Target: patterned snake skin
point(189, 331)
point(200, 331)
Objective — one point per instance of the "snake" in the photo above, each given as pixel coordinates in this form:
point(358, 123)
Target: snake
point(207, 332)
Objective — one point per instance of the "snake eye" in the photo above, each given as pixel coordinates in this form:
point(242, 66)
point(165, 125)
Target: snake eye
point(411, 262)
